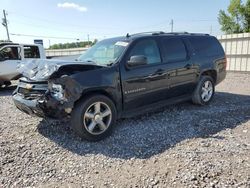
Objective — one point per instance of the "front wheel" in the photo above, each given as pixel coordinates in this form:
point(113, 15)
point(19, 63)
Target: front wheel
point(93, 117)
point(204, 91)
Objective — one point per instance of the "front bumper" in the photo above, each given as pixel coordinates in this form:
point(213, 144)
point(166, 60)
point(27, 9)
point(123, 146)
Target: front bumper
point(30, 107)
point(39, 108)
point(34, 97)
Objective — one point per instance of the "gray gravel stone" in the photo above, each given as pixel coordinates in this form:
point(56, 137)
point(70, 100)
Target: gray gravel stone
point(179, 146)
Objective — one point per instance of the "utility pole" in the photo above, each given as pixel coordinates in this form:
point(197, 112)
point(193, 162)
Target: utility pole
point(88, 40)
point(172, 25)
point(77, 42)
point(5, 24)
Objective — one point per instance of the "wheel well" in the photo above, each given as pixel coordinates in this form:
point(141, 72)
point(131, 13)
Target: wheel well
point(211, 73)
point(97, 92)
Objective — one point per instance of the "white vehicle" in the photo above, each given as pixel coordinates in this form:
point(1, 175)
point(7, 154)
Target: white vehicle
point(12, 54)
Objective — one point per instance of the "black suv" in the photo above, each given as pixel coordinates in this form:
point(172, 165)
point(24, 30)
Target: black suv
point(122, 77)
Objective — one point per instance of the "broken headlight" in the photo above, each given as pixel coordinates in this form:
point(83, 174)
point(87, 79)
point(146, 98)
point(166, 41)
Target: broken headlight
point(57, 91)
point(45, 71)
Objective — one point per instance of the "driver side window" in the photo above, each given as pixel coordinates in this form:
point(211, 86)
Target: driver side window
point(147, 48)
point(10, 53)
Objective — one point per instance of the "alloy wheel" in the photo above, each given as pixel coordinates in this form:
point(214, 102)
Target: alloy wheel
point(207, 91)
point(97, 118)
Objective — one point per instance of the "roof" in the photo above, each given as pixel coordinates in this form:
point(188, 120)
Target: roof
point(6, 43)
point(161, 33)
point(11, 43)
point(130, 37)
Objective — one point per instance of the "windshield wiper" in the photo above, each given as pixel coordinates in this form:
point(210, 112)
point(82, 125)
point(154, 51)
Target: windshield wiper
point(95, 63)
point(110, 63)
point(91, 61)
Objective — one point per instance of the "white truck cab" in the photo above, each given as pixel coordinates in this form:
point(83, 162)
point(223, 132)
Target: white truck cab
point(11, 54)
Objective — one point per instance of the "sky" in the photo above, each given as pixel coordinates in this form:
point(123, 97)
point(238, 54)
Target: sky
point(59, 21)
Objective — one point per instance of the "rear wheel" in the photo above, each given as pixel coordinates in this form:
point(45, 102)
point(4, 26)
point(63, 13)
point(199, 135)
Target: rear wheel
point(204, 91)
point(94, 117)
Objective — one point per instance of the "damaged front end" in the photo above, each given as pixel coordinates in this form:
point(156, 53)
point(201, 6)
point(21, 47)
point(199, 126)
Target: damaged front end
point(47, 88)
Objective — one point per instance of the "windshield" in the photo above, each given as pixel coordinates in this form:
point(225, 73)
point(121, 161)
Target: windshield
point(105, 52)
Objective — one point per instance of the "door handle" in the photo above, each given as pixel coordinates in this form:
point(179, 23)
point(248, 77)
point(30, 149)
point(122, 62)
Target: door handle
point(160, 72)
point(188, 66)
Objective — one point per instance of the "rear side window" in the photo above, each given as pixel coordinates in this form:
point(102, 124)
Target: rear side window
point(206, 46)
point(31, 52)
point(147, 48)
point(173, 50)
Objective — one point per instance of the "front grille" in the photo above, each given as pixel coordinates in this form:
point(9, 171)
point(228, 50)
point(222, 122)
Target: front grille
point(32, 89)
point(25, 91)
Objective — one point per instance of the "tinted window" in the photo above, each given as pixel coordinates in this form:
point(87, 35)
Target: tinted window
point(31, 52)
point(173, 50)
point(149, 49)
point(206, 46)
point(10, 53)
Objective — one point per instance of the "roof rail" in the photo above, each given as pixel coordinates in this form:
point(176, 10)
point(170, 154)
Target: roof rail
point(162, 32)
point(149, 32)
point(178, 33)
point(200, 34)
point(187, 33)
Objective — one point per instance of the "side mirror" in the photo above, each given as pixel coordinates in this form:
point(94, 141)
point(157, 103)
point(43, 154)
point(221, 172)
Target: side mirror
point(138, 60)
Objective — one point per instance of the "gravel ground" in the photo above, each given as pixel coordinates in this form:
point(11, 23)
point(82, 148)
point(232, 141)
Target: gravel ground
point(180, 146)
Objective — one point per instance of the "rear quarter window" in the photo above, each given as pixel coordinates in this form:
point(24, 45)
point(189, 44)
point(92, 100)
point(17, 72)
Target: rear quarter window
point(206, 46)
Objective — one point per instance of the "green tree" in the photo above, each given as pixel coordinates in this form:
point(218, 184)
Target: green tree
point(72, 45)
point(237, 17)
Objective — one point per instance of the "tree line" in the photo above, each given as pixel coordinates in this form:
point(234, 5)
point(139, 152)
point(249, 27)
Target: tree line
point(237, 17)
point(82, 44)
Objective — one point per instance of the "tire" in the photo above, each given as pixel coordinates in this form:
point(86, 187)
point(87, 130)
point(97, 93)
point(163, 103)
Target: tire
point(203, 93)
point(88, 119)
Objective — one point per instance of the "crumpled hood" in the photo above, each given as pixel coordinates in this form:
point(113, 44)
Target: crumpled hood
point(42, 69)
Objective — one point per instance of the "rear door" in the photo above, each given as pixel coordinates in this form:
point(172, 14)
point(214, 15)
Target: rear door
point(143, 85)
point(182, 71)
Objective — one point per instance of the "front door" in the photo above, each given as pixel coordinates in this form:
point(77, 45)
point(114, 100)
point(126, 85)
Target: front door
point(145, 84)
point(10, 57)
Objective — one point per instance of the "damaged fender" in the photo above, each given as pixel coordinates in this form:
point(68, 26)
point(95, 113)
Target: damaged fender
point(72, 91)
